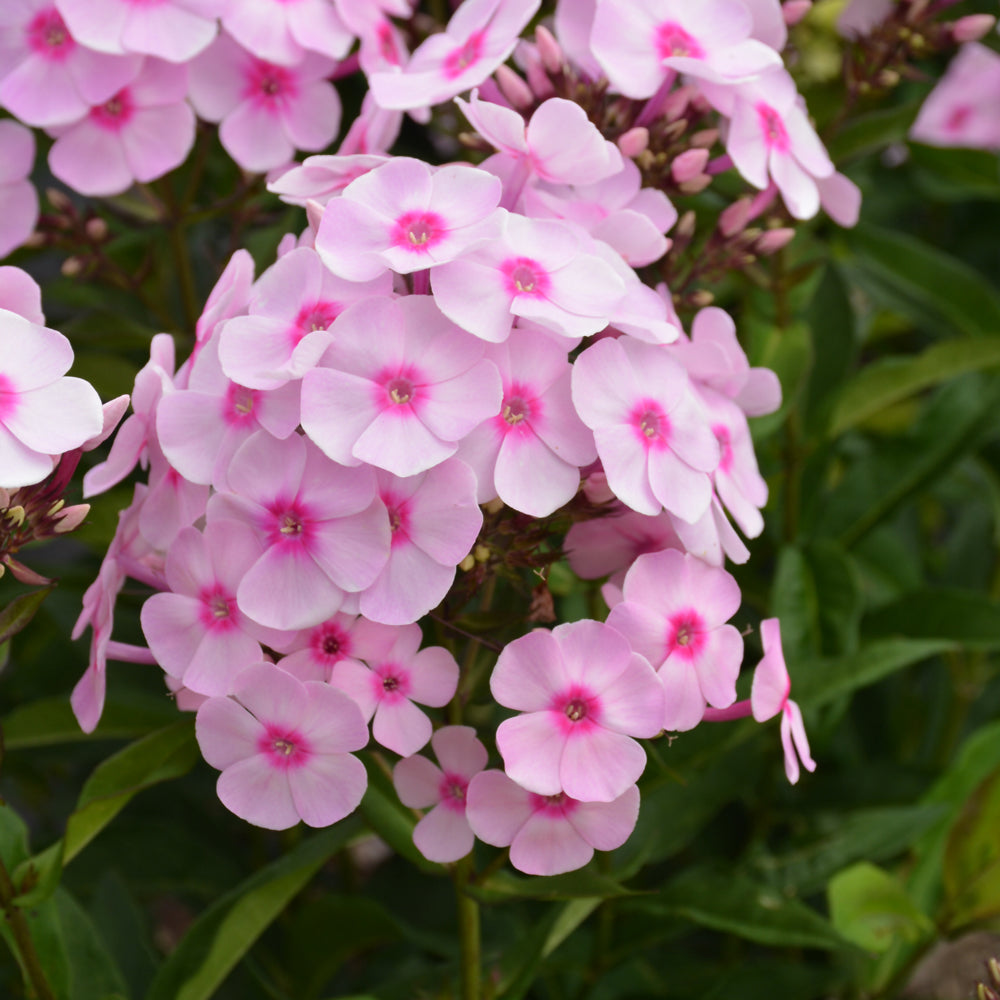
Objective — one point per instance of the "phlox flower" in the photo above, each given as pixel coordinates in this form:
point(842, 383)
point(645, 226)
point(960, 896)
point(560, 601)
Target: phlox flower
point(47, 77)
point(407, 216)
point(639, 42)
point(289, 313)
point(43, 412)
point(18, 198)
point(281, 32)
point(373, 131)
point(229, 297)
point(195, 630)
point(398, 388)
point(583, 694)
point(530, 454)
point(140, 133)
point(560, 144)
point(266, 110)
point(434, 520)
point(20, 293)
point(673, 613)
point(443, 834)
point(540, 270)
point(320, 529)
point(322, 177)
point(388, 686)
point(769, 696)
point(711, 537)
point(652, 437)
point(358, 14)
point(479, 37)
point(314, 652)
point(547, 835)
point(284, 749)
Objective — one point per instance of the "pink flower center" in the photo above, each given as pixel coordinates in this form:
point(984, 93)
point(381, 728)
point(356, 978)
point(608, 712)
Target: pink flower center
point(113, 115)
point(329, 644)
point(721, 433)
point(8, 397)
point(451, 792)
point(773, 128)
point(399, 518)
point(958, 118)
point(459, 60)
point(520, 407)
point(673, 40)
point(400, 390)
point(289, 524)
point(391, 683)
point(285, 750)
point(217, 610)
point(525, 276)
point(418, 231)
point(553, 806)
point(685, 634)
point(317, 316)
point(49, 37)
point(238, 405)
point(577, 710)
point(386, 43)
point(651, 424)
point(268, 85)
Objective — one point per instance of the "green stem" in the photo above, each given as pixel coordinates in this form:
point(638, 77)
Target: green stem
point(468, 933)
point(30, 962)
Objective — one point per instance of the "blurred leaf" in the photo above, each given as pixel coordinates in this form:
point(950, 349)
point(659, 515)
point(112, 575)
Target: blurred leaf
point(972, 859)
point(872, 132)
point(503, 886)
point(789, 354)
point(886, 381)
point(228, 929)
point(965, 616)
point(869, 907)
point(734, 904)
point(956, 174)
point(20, 611)
point(832, 326)
point(938, 285)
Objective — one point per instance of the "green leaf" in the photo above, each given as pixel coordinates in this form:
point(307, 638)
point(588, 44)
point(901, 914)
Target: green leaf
point(13, 837)
point(972, 859)
point(732, 903)
point(789, 354)
point(887, 381)
point(160, 756)
point(940, 288)
point(870, 908)
point(965, 616)
point(20, 611)
point(584, 884)
point(219, 939)
point(869, 133)
point(955, 174)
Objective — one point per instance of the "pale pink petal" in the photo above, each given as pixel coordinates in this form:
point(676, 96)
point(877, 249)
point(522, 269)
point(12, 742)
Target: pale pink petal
point(327, 788)
point(443, 836)
point(417, 781)
point(548, 845)
point(599, 765)
point(259, 793)
point(529, 673)
point(226, 732)
point(496, 807)
point(606, 826)
point(685, 704)
point(401, 727)
point(532, 749)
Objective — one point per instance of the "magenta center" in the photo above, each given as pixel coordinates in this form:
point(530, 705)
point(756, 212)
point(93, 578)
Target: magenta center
point(418, 231)
point(49, 37)
point(460, 59)
point(329, 644)
point(238, 405)
point(8, 397)
point(772, 128)
point(650, 424)
point(269, 85)
point(722, 435)
point(525, 276)
point(451, 791)
point(391, 683)
point(686, 634)
point(113, 115)
point(217, 609)
point(576, 710)
point(317, 316)
point(673, 40)
point(285, 750)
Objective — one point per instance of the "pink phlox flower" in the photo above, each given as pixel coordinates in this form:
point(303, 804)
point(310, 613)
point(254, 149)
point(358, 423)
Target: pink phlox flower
point(176, 30)
point(674, 614)
point(321, 530)
point(531, 453)
point(560, 144)
point(200, 428)
point(21, 294)
point(280, 32)
point(652, 436)
point(713, 357)
point(383, 48)
point(711, 537)
point(400, 386)
point(434, 519)
point(769, 24)
point(228, 298)
point(195, 629)
point(770, 139)
point(962, 108)
point(284, 749)
point(322, 177)
point(266, 110)
point(540, 270)
point(583, 693)
point(769, 696)
point(18, 198)
point(172, 502)
point(314, 652)
point(443, 834)
point(287, 329)
point(479, 37)
point(373, 131)
point(407, 216)
point(574, 21)
point(737, 479)
point(390, 686)
point(48, 77)
point(43, 411)
point(111, 414)
point(640, 42)
point(617, 210)
point(130, 444)
point(547, 835)
point(358, 14)
point(140, 133)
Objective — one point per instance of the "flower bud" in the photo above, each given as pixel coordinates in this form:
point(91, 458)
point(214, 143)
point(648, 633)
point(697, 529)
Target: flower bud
point(773, 240)
point(59, 200)
point(706, 137)
point(549, 49)
point(972, 27)
point(734, 217)
point(70, 518)
point(96, 229)
point(695, 185)
point(794, 10)
point(689, 165)
point(702, 298)
point(513, 87)
point(633, 142)
point(71, 267)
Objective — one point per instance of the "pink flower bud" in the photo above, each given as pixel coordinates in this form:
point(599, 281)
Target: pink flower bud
point(794, 10)
point(972, 28)
point(773, 240)
point(70, 518)
point(734, 217)
point(633, 142)
point(539, 80)
point(549, 49)
point(513, 87)
point(689, 165)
